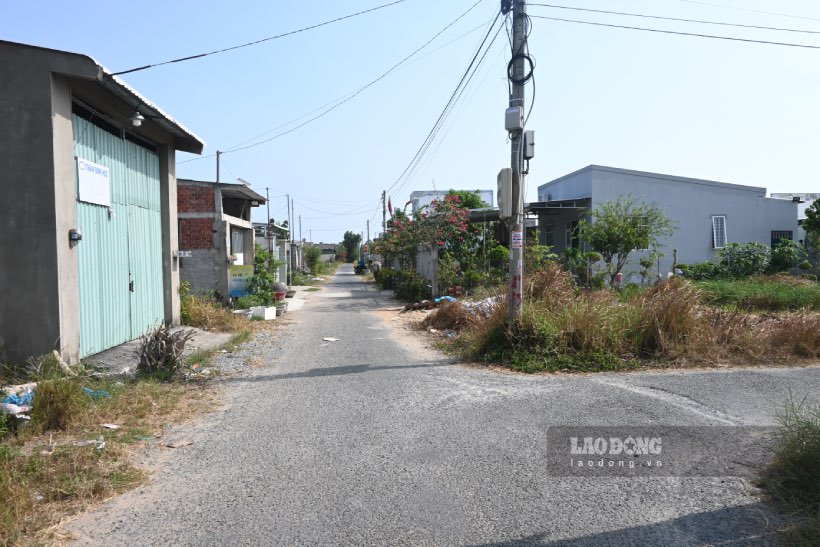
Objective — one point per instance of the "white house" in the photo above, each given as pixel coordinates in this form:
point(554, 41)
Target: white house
point(706, 214)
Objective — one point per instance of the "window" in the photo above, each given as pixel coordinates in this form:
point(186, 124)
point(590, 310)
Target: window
point(779, 235)
point(718, 232)
point(643, 233)
point(573, 235)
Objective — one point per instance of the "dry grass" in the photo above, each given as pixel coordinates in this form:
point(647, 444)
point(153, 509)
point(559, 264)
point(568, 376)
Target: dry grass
point(669, 321)
point(45, 478)
point(796, 334)
point(449, 316)
point(203, 313)
point(565, 328)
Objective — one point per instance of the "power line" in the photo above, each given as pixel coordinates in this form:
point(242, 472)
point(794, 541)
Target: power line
point(676, 19)
point(200, 55)
point(347, 97)
point(787, 44)
point(750, 10)
point(445, 112)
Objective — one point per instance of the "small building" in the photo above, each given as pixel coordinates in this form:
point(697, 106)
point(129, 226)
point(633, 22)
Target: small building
point(803, 201)
point(216, 236)
point(424, 198)
point(706, 215)
point(88, 228)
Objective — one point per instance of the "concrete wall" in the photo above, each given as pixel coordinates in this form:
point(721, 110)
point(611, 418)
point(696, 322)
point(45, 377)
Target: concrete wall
point(35, 151)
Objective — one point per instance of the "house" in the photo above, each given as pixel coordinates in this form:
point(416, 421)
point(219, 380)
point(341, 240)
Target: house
point(88, 228)
point(706, 214)
point(216, 235)
point(274, 238)
point(803, 201)
point(423, 198)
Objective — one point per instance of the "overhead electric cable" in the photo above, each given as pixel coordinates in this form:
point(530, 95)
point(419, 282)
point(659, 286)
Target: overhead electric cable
point(347, 97)
point(701, 21)
point(200, 55)
point(750, 10)
point(447, 108)
point(733, 39)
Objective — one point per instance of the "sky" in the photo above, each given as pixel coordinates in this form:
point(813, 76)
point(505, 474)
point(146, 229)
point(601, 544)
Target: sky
point(730, 111)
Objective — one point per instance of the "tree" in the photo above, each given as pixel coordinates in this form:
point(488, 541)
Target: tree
point(812, 224)
point(351, 243)
point(313, 254)
point(469, 200)
point(620, 227)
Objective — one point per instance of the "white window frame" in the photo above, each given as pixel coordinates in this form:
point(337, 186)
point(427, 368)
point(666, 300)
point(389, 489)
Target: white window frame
point(715, 242)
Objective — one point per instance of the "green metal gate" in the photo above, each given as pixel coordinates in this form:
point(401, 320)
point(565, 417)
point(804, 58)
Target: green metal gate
point(120, 256)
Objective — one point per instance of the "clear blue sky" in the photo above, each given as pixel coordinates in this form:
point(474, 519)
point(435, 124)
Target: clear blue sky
point(728, 111)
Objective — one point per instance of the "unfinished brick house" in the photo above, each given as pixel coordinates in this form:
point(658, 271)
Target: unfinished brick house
point(216, 236)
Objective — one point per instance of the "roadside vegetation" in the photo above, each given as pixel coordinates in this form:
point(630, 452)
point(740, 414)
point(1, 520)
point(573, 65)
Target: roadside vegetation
point(584, 312)
point(792, 480)
point(69, 446)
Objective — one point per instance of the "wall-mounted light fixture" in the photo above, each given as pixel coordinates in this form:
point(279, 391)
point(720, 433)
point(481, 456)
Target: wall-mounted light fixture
point(137, 119)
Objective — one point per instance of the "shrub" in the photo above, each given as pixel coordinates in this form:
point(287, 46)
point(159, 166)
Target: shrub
point(161, 352)
point(785, 255)
point(702, 271)
point(410, 286)
point(57, 403)
point(741, 260)
point(248, 301)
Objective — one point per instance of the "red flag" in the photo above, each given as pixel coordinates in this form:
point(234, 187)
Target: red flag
point(390, 206)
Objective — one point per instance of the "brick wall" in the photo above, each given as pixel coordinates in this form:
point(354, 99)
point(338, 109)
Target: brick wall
point(195, 199)
point(197, 233)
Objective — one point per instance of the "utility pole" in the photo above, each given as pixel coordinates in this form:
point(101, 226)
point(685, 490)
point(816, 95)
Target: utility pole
point(218, 153)
point(384, 212)
point(518, 80)
point(268, 231)
point(368, 229)
point(289, 254)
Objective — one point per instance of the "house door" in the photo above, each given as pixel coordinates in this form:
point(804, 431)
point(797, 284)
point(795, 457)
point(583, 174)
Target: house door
point(120, 256)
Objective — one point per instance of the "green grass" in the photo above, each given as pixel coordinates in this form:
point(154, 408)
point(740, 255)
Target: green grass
point(763, 294)
point(792, 480)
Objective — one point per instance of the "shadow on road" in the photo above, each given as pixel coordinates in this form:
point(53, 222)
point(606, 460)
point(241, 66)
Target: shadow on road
point(719, 527)
point(342, 370)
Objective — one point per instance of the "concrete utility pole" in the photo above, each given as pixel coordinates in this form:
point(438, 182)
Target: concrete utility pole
point(519, 46)
point(218, 153)
point(384, 212)
point(268, 230)
point(289, 254)
point(368, 229)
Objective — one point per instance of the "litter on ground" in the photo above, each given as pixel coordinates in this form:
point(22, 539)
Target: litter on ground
point(330, 339)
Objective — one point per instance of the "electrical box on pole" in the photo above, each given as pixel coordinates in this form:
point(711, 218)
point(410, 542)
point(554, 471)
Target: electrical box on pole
point(529, 145)
point(504, 194)
point(514, 119)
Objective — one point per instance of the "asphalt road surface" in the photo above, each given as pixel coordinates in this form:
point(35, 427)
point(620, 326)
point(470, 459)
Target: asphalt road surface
point(371, 439)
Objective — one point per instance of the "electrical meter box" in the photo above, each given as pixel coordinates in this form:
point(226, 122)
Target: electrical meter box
point(514, 118)
point(504, 195)
point(529, 145)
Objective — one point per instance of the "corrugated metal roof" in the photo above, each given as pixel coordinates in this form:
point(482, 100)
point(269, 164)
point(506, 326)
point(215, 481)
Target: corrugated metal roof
point(188, 141)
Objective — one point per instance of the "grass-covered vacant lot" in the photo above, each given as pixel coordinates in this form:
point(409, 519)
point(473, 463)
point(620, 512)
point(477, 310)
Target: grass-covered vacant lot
point(771, 293)
point(674, 323)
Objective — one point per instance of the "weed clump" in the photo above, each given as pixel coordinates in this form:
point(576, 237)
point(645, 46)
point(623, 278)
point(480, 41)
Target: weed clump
point(792, 480)
point(57, 403)
point(161, 352)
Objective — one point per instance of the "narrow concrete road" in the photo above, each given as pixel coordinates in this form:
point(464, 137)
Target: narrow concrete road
point(371, 440)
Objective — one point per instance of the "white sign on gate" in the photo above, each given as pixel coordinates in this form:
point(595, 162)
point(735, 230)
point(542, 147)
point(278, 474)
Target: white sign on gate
point(94, 182)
